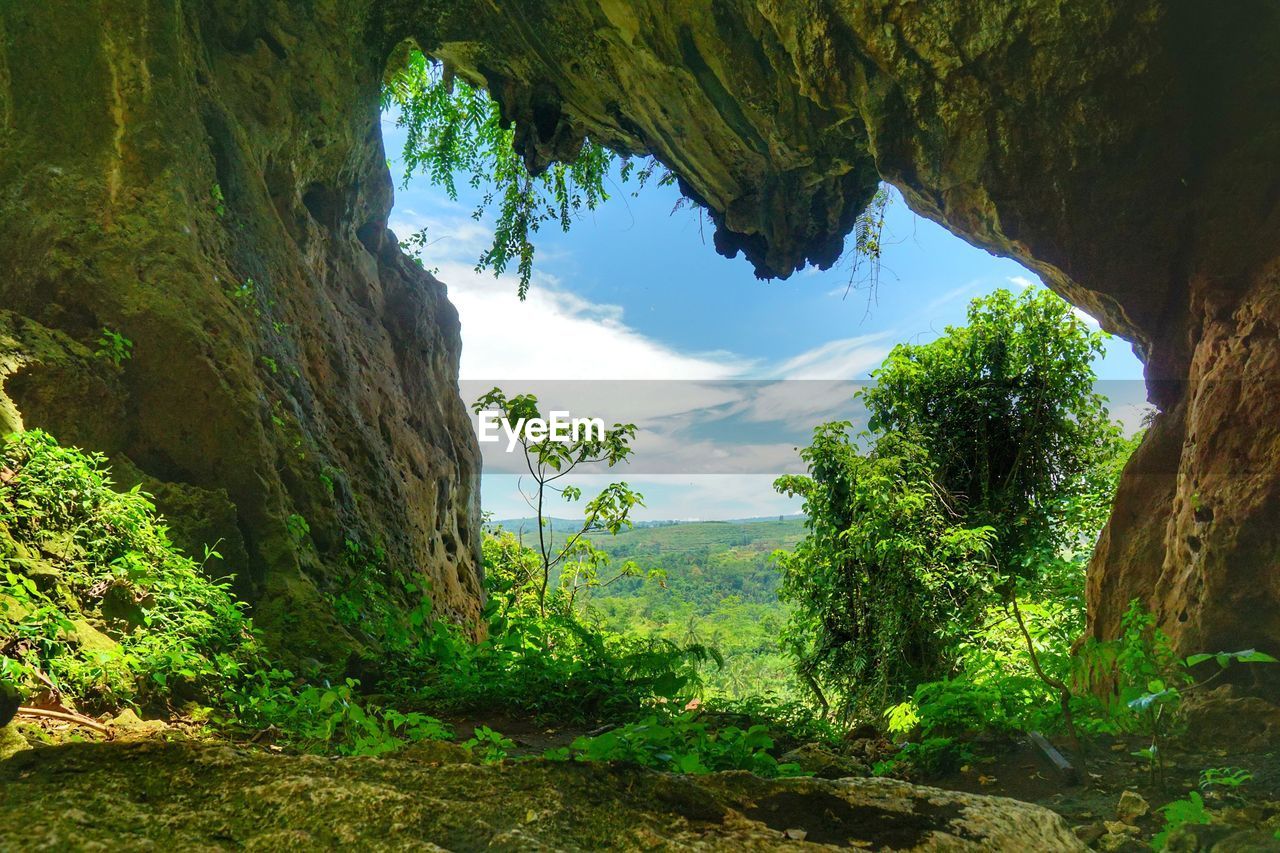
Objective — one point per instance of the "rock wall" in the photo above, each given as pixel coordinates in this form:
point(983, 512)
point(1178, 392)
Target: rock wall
point(207, 180)
point(1127, 151)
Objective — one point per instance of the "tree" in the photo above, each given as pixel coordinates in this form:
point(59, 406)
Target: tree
point(549, 461)
point(988, 451)
point(1007, 412)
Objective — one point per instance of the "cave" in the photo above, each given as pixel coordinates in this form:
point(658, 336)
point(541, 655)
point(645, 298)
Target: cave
point(209, 180)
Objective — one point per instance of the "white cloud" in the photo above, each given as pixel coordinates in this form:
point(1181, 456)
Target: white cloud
point(846, 358)
point(950, 296)
point(555, 334)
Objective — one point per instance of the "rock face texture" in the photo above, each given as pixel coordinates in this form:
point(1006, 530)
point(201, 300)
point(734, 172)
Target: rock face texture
point(207, 180)
point(1127, 151)
point(148, 794)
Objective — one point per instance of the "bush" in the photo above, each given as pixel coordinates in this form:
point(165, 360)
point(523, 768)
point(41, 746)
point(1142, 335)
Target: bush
point(97, 607)
point(683, 743)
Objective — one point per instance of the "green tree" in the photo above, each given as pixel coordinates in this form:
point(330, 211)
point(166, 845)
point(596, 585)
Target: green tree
point(886, 581)
point(988, 456)
point(549, 461)
point(1006, 410)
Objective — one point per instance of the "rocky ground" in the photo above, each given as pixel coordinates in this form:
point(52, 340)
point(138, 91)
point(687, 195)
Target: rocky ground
point(152, 792)
point(138, 785)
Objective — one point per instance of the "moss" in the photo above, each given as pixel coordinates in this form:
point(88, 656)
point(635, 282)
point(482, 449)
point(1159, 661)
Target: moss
point(218, 797)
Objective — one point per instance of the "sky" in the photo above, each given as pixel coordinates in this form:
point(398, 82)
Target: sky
point(635, 291)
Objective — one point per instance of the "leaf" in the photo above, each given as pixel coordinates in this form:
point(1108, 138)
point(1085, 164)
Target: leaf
point(1254, 656)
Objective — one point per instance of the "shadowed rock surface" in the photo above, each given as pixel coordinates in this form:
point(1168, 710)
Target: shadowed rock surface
point(150, 794)
point(207, 179)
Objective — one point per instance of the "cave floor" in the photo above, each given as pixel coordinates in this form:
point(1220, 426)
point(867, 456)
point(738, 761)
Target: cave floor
point(144, 763)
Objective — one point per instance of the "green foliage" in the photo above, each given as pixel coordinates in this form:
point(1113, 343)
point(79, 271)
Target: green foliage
point(989, 464)
point(324, 718)
point(935, 756)
point(245, 297)
point(298, 528)
point(684, 743)
point(1016, 437)
point(549, 460)
point(114, 347)
point(489, 746)
point(96, 605)
point(885, 584)
point(789, 719)
point(1189, 810)
point(1224, 777)
point(705, 582)
point(98, 609)
point(219, 201)
point(453, 129)
point(548, 664)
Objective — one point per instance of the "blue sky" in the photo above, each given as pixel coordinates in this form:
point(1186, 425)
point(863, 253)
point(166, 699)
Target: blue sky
point(635, 291)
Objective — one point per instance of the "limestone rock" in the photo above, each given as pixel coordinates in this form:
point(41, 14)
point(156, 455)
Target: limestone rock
point(11, 742)
point(214, 797)
point(128, 724)
point(1132, 806)
point(207, 179)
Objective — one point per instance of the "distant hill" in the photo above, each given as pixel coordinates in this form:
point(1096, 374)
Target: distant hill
point(703, 538)
point(786, 530)
point(720, 587)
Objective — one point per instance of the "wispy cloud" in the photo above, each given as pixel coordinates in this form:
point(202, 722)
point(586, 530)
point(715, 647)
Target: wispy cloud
point(846, 358)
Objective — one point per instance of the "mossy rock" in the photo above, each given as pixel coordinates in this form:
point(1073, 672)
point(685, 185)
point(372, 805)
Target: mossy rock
point(189, 795)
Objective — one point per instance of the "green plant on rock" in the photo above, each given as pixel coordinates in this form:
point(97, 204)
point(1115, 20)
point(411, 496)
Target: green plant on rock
point(489, 746)
point(298, 528)
point(96, 605)
point(1190, 810)
point(323, 718)
point(684, 743)
point(114, 347)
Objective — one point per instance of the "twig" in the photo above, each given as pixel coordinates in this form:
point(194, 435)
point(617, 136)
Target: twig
point(65, 716)
point(1064, 692)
